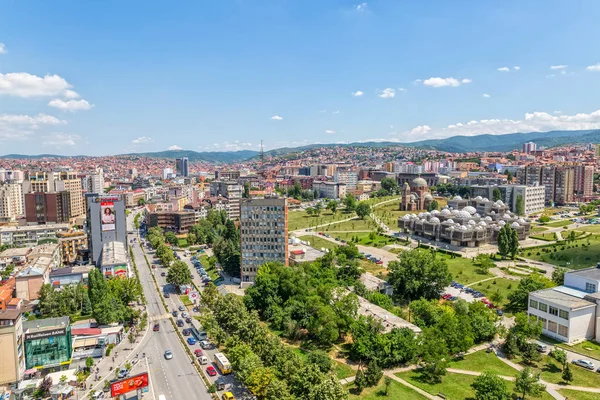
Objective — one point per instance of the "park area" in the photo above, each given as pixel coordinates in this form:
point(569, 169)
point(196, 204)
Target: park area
point(396, 390)
point(301, 220)
point(581, 253)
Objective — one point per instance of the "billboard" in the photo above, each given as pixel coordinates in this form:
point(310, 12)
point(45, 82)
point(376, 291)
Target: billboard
point(128, 385)
point(107, 209)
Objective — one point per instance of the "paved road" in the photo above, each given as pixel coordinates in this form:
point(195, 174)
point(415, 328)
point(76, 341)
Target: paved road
point(176, 378)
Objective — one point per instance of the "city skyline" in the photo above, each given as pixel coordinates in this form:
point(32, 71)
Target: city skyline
point(82, 79)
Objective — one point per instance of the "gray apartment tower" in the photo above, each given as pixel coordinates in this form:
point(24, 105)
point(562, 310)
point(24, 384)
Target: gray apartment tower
point(263, 234)
point(106, 223)
point(181, 167)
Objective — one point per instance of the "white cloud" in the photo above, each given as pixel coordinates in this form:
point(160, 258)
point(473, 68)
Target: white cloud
point(361, 7)
point(594, 68)
point(35, 121)
point(487, 96)
point(387, 93)
point(466, 80)
point(336, 112)
point(70, 105)
point(174, 147)
point(532, 122)
point(401, 89)
point(419, 130)
point(441, 82)
point(358, 93)
point(516, 68)
point(417, 81)
point(330, 131)
point(142, 140)
point(503, 69)
point(554, 67)
point(22, 84)
point(3, 49)
point(71, 94)
point(60, 140)
point(276, 118)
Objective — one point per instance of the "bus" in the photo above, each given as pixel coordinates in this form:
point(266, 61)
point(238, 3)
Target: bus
point(223, 363)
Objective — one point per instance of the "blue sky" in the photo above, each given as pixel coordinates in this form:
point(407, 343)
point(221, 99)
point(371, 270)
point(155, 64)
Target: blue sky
point(79, 77)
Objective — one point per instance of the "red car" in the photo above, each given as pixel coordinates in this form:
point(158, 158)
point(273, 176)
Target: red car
point(156, 328)
point(210, 370)
point(446, 296)
point(379, 262)
point(198, 352)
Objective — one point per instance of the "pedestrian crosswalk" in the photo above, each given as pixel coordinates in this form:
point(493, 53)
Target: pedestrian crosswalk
point(159, 317)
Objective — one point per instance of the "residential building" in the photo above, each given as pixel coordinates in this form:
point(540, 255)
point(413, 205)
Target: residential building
point(71, 244)
point(11, 176)
point(565, 185)
point(48, 343)
point(11, 201)
point(174, 221)
point(28, 236)
point(569, 312)
point(168, 173)
point(12, 366)
point(106, 223)
point(430, 178)
point(548, 179)
point(330, 190)
point(57, 181)
point(94, 182)
point(48, 208)
point(232, 191)
point(263, 234)
point(114, 259)
point(533, 196)
point(584, 181)
point(529, 147)
point(559, 181)
point(181, 167)
point(349, 178)
point(230, 175)
point(62, 277)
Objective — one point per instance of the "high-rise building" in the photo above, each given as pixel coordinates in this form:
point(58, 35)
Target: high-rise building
point(350, 178)
point(57, 181)
point(48, 208)
point(94, 182)
point(230, 190)
point(181, 167)
point(11, 346)
point(584, 180)
point(263, 234)
point(548, 179)
point(105, 223)
point(11, 175)
point(565, 185)
point(529, 147)
point(11, 201)
point(168, 173)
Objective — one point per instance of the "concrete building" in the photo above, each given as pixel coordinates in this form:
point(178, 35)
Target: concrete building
point(28, 236)
point(48, 343)
point(330, 190)
point(94, 182)
point(559, 181)
point(430, 178)
point(114, 259)
point(12, 366)
point(48, 208)
point(533, 196)
point(570, 312)
point(349, 178)
point(168, 173)
point(105, 223)
point(11, 201)
point(174, 221)
point(584, 181)
point(263, 234)
point(564, 185)
point(71, 244)
point(62, 277)
point(232, 191)
point(529, 147)
point(229, 175)
point(181, 167)
point(57, 181)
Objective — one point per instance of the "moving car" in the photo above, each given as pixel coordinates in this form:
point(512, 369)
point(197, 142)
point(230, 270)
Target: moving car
point(584, 363)
point(122, 373)
point(184, 315)
point(163, 274)
point(211, 371)
point(168, 354)
point(175, 313)
point(167, 295)
point(186, 332)
point(156, 328)
point(205, 344)
point(198, 352)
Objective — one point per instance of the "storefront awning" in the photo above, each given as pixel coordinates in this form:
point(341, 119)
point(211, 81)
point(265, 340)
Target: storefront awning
point(87, 342)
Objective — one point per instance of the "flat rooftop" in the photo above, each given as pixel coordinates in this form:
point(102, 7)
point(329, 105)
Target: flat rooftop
point(52, 227)
point(564, 296)
point(310, 254)
point(45, 324)
point(113, 253)
point(589, 273)
point(15, 252)
point(387, 319)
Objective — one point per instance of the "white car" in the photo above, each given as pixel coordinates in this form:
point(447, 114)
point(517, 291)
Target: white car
point(168, 355)
point(584, 363)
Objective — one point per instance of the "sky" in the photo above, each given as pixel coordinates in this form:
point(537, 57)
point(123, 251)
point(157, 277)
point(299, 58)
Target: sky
point(113, 77)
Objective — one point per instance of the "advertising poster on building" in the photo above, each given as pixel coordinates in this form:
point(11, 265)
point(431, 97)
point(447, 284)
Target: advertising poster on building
point(128, 385)
point(107, 208)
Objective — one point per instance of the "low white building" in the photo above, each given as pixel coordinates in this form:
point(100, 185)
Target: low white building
point(330, 190)
point(570, 312)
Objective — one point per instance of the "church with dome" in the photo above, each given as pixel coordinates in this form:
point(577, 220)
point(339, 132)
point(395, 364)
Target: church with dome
point(416, 196)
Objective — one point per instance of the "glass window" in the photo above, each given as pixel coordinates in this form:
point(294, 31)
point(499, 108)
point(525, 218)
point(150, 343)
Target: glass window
point(563, 314)
point(533, 304)
point(563, 330)
point(590, 287)
point(553, 310)
point(552, 326)
point(543, 307)
point(543, 321)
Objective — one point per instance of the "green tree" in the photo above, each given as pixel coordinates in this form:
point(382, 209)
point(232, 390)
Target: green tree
point(434, 357)
point(508, 241)
point(89, 363)
point(246, 193)
point(489, 386)
point(509, 176)
point(332, 205)
point(259, 380)
point(519, 298)
point(545, 219)
point(387, 382)
point(329, 389)
point(321, 359)
point(373, 374)
point(520, 205)
point(363, 209)
point(529, 352)
point(433, 206)
point(527, 384)
point(496, 194)
point(560, 356)
point(350, 202)
point(171, 238)
point(484, 263)
point(179, 274)
point(418, 274)
point(390, 185)
point(567, 374)
point(558, 275)
point(360, 382)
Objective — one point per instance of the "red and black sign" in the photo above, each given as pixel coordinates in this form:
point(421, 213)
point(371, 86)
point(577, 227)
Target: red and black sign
point(129, 385)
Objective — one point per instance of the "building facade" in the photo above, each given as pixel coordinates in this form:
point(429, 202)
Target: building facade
point(330, 190)
point(263, 234)
point(232, 191)
point(534, 197)
point(48, 343)
point(12, 366)
point(106, 222)
point(94, 182)
point(57, 181)
point(11, 201)
point(349, 178)
point(181, 167)
point(28, 236)
point(48, 208)
point(178, 222)
point(416, 196)
point(584, 181)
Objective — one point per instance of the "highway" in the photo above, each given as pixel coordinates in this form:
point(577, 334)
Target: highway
point(176, 379)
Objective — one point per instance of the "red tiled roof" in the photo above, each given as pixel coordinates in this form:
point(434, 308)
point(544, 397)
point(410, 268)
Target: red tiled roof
point(85, 331)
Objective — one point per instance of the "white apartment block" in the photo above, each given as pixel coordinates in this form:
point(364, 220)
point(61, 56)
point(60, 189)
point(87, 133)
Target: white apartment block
point(571, 312)
point(534, 198)
point(57, 181)
point(11, 201)
point(94, 182)
point(330, 190)
point(349, 178)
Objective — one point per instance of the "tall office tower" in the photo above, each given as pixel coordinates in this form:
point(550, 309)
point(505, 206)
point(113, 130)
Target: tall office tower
point(94, 182)
point(54, 182)
point(529, 147)
point(263, 234)
point(584, 180)
point(11, 201)
point(181, 167)
point(105, 223)
point(564, 187)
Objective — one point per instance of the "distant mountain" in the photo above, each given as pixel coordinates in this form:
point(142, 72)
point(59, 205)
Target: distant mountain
point(35, 157)
point(508, 142)
point(207, 156)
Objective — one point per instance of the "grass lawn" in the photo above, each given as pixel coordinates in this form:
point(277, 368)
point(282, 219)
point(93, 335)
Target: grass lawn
point(353, 225)
point(573, 256)
point(318, 242)
point(482, 361)
point(300, 219)
point(548, 237)
point(578, 395)
point(502, 284)
point(389, 213)
point(186, 300)
point(342, 370)
point(586, 228)
point(370, 266)
point(536, 229)
point(558, 224)
point(182, 242)
point(588, 348)
point(551, 372)
point(364, 238)
point(211, 271)
point(463, 270)
point(396, 390)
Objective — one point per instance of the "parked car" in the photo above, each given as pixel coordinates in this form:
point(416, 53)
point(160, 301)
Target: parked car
point(188, 320)
point(542, 348)
point(163, 274)
point(184, 315)
point(205, 344)
point(180, 323)
point(181, 308)
point(584, 363)
point(186, 332)
point(198, 352)
point(210, 370)
point(122, 373)
point(167, 295)
point(168, 355)
point(191, 340)
point(175, 313)
point(499, 312)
